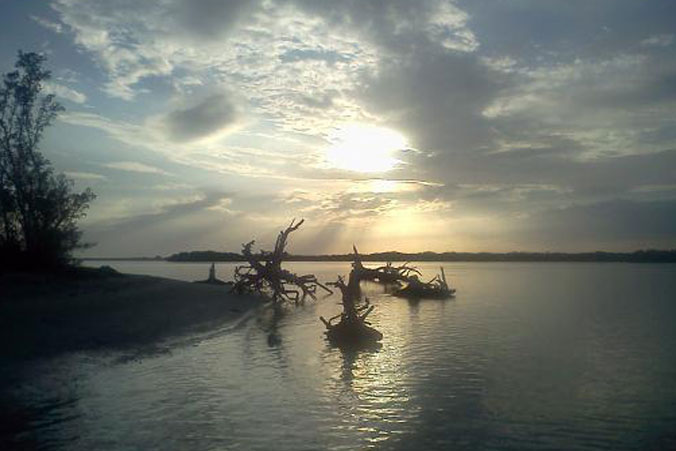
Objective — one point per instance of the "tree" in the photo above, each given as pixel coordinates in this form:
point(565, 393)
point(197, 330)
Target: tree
point(38, 208)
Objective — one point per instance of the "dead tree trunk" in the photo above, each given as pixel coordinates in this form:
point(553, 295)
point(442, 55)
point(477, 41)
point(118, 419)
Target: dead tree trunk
point(264, 274)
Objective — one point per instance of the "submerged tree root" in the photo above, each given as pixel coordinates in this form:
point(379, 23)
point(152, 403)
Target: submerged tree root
point(352, 329)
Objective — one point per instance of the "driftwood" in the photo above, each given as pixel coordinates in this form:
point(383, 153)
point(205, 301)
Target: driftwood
point(387, 274)
point(264, 274)
point(212, 279)
point(409, 276)
point(437, 288)
point(350, 327)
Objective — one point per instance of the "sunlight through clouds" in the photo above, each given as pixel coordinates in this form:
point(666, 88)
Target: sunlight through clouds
point(349, 113)
point(364, 148)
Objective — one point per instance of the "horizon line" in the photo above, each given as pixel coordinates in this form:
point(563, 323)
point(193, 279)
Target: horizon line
point(430, 253)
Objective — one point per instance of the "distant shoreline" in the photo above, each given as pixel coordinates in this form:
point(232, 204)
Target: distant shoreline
point(641, 256)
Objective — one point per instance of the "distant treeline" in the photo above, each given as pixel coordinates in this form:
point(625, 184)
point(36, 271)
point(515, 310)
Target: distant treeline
point(643, 256)
point(124, 259)
point(206, 256)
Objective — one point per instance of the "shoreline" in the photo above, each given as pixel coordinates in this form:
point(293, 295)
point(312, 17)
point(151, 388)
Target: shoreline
point(43, 315)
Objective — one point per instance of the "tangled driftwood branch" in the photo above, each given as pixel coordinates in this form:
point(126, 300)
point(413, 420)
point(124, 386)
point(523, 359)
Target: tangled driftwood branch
point(264, 274)
point(409, 276)
point(437, 288)
point(387, 274)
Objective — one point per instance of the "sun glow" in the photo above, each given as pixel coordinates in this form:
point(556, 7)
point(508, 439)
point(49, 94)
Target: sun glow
point(364, 148)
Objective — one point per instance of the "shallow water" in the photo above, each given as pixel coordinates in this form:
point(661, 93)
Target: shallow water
point(527, 356)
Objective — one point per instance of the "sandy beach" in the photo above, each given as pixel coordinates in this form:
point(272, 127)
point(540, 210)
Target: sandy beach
point(44, 315)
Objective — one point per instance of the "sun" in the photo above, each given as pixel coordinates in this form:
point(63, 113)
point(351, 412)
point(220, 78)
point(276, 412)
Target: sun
point(364, 148)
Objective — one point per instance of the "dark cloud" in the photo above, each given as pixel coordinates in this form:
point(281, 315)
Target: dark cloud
point(657, 86)
point(566, 30)
point(210, 19)
point(586, 178)
point(206, 118)
point(627, 223)
point(436, 98)
point(659, 134)
point(377, 18)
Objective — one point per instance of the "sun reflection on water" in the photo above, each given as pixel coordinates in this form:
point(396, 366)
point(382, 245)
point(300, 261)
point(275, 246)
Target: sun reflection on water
point(372, 389)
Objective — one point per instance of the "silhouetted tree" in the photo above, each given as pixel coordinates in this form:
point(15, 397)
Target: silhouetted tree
point(38, 209)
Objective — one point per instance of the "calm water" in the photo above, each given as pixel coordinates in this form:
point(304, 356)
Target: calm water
point(528, 356)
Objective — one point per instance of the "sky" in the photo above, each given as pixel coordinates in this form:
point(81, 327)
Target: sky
point(395, 125)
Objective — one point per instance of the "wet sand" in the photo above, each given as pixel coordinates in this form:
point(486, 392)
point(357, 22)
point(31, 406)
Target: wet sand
point(44, 315)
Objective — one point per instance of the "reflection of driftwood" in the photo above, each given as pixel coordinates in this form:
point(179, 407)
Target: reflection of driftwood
point(264, 273)
point(387, 274)
point(437, 288)
point(268, 320)
point(352, 329)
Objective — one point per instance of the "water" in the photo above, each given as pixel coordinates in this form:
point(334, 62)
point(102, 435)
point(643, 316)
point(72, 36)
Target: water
point(528, 356)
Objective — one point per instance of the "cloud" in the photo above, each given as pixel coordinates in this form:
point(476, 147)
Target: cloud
point(85, 175)
point(436, 98)
point(619, 224)
point(125, 132)
point(204, 155)
point(596, 108)
point(660, 40)
point(133, 166)
point(166, 212)
point(277, 62)
point(343, 207)
point(541, 32)
point(209, 19)
point(398, 26)
point(211, 116)
point(48, 24)
point(328, 56)
point(170, 227)
point(120, 35)
point(65, 92)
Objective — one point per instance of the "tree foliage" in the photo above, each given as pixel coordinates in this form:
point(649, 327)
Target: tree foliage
point(38, 208)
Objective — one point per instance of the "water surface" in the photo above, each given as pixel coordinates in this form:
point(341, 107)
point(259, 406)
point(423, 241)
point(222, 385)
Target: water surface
point(527, 356)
